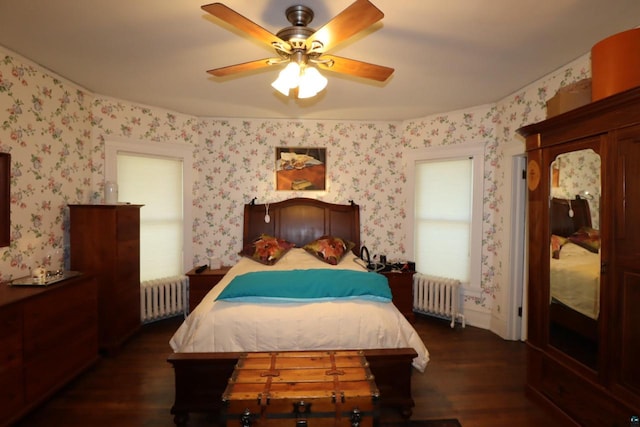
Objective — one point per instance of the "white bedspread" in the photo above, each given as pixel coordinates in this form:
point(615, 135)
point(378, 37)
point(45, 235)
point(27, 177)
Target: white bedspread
point(575, 279)
point(220, 326)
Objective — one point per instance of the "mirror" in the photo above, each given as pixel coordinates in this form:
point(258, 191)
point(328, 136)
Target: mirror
point(574, 282)
point(5, 199)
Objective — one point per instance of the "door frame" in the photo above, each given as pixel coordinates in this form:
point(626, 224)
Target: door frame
point(515, 180)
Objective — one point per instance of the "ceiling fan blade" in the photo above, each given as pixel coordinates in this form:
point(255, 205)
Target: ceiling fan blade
point(355, 68)
point(240, 68)
point(238, 21)
point(355, 18)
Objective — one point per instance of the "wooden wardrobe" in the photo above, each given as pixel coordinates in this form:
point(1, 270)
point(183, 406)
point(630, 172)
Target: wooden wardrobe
point(586, 364)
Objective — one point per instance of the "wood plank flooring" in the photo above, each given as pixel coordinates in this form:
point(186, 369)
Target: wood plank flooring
point(473, 375)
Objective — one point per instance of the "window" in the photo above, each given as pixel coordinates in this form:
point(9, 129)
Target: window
point(157, 176)
point(445, 212)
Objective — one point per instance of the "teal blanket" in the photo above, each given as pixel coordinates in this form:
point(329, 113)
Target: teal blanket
point(306, 285)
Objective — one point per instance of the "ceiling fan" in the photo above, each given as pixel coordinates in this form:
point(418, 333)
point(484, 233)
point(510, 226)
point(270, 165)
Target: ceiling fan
point(300, 46)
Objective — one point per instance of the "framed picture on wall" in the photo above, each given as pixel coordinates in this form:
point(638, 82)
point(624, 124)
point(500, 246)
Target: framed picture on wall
point(5, 199)
point(301, 169)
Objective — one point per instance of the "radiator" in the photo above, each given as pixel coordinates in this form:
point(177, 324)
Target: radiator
point(163, 298)
point(437, 296)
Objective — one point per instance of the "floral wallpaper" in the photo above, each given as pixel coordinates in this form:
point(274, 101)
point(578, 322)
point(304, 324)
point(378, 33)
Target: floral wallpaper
point(495, 125)
point(45, 126)
point(237, 163)
point(579, 174)
point(55, 132)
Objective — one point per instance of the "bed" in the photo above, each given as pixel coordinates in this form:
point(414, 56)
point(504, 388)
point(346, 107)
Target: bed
point(574, 268)
point(209, 342)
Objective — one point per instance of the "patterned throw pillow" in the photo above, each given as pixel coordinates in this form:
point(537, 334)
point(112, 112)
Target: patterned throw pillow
point(329, 249)
point(588, 238)
point(266, 249)
point(556, 244)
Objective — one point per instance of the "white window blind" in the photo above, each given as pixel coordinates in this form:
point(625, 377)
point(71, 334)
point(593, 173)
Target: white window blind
point(156, 183)
point(443, 217)
point(444, 233)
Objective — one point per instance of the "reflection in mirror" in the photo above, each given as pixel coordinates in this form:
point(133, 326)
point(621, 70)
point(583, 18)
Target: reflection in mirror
point(575, 255)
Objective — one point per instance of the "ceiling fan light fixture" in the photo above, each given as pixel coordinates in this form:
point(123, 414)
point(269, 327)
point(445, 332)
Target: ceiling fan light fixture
point(306, 78)
point(311, 83)
point(287, 79)
point(281, 87)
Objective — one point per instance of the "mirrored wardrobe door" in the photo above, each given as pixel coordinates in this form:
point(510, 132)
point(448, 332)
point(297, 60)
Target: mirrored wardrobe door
point(574, 261)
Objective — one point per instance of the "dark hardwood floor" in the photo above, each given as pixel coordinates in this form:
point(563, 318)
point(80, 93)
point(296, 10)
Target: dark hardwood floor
point(473, 375)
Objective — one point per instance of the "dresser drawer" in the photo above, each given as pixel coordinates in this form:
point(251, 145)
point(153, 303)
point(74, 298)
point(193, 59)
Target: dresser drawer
point(11, 384)
point(11, 392)
point(10, 321)
point(10, 352)
point(50, 369)
point(58, 316)
point(128, 223)
point(583, 401)
point(10, 337)
point(128, 272)
point(128, 305)
point(48, 335)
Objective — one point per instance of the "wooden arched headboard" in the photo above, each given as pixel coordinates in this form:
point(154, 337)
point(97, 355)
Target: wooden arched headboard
point(302, 220)
point(564, 225)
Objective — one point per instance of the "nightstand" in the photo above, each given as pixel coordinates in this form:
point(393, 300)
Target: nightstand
point(201, 284)
point(401, 284)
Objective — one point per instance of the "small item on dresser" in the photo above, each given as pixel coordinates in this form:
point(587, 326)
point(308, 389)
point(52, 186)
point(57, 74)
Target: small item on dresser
point(111, 192)
point(215, 263)
point(39, 276)
point(201, 268)
point(43, 279)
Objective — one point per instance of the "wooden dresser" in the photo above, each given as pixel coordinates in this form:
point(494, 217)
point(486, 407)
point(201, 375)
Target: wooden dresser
point(401, 284)
point(48, 335)
point(105, 241)
point(201, 283)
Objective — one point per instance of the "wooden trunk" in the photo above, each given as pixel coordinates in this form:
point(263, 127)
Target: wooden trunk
point(304, 388)
point(200, 380)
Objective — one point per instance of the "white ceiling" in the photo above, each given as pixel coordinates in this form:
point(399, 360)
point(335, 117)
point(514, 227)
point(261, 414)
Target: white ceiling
point(447, 55)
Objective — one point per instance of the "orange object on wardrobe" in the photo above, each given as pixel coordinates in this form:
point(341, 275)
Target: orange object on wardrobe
point(615, 64)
